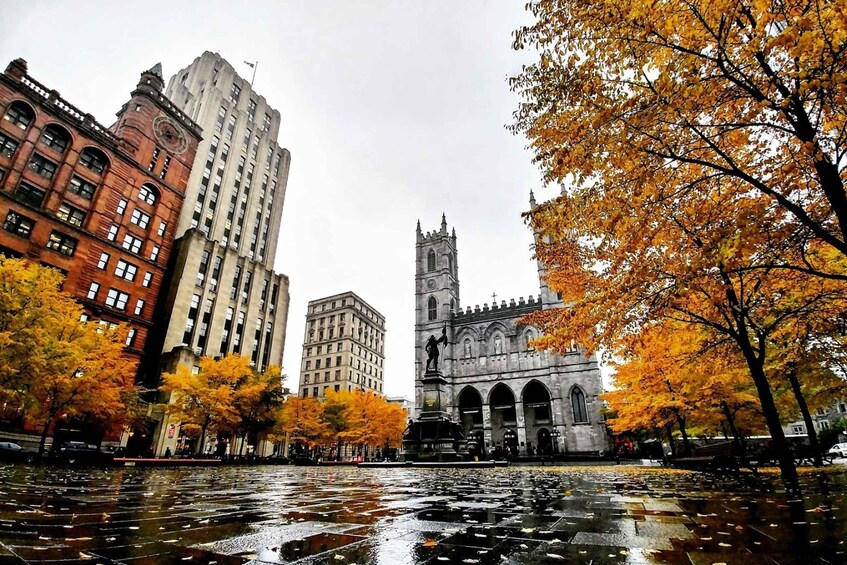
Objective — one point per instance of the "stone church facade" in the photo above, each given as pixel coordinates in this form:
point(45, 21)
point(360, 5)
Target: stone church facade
point(502, 391)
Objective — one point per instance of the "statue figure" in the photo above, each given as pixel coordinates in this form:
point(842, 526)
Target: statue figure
point(498, 349)
point(467, 348)
point(432, 349)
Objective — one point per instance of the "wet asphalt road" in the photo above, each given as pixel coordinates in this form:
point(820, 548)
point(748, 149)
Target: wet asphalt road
point(396, 516)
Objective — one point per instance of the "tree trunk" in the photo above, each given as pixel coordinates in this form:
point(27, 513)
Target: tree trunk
point(736, 438)
point(807, 416)
point(241, 447)
point(199, 450)
point(44, 438)
point(670, 440)
point(787, 468)
point(686, 444)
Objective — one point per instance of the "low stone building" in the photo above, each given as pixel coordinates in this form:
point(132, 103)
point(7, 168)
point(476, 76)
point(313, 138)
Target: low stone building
point(502, 391)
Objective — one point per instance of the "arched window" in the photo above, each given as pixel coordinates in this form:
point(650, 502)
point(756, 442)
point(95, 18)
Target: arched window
point(580, 414)
point(94, 159)
point(430, 261)
point(20, 114)
point(450, 263)
point(148, 194)
point(56, 137)
point(452, 305)
point(433, 308)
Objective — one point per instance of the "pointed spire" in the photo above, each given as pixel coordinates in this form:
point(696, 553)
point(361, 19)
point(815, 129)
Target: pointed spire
point(419, 226)
point(531, 198)
point(156, 70)
point(443, 223)
point(454, 233)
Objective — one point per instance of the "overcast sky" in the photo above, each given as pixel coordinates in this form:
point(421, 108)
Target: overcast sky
point(392, 111)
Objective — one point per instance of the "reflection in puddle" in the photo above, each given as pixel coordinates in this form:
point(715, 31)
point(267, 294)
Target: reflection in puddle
point(396, 516)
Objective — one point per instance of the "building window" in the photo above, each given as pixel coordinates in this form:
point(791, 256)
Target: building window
point(219, 124)
point(42, 166)
point(162, 227)
point(154, 160)
point(117, 299)
point(230, 128)
point(130, 337)
point(82, 188)
point(140, 219)
point(56, 138)
point(430, 261)
point(234, 93)
point(131, 243)
point(70, 214)
point(432, 309)
point(8, 146)
point(121, 207)
point(113, 232)
point(126, 270)
point(165, 167)
point(104, 261)
point(93, 290)
point(18, 225)
point(93, 159)
point(148, 278)
point(147, 194)
point(139, 307)
point(20, 115)
point(154, 253)
point(580, 414)
point(62, 243)
point(267, 123)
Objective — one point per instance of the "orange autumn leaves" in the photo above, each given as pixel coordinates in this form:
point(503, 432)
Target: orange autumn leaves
point(52, 365)
point(700, 146)
point(350, 417)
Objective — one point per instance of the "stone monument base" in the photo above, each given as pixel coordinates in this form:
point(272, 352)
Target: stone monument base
point(433, 437)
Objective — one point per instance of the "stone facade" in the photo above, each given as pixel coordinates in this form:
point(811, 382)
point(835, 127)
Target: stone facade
point(223, 294)
point(501, 390)
point(343, 346)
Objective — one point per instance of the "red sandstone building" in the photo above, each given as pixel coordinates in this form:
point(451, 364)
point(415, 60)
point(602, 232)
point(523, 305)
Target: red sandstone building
point(100, 204)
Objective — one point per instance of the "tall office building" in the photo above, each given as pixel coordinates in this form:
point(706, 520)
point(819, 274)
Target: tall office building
point(224, 296)
point(343, 346)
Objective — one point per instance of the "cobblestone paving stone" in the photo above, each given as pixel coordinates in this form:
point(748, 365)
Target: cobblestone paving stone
point(270, 515)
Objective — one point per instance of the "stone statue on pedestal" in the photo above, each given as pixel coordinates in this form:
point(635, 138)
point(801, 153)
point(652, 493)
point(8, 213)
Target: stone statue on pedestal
point(432, 349)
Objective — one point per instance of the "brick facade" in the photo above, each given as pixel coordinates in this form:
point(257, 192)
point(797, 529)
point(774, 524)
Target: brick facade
point(73, 193)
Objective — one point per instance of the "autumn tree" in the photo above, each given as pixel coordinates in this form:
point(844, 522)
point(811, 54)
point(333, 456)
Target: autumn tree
point(301, 419)
point(666, 96)
point(207, 398)
point(701, 143)
point(257, 400)
point(53, 365)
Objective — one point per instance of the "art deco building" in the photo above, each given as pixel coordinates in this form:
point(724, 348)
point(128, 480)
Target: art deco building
point(223, 293)
point(100, 204)
point(343, 346)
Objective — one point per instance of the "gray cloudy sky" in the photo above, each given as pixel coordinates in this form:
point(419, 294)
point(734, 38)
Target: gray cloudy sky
point(392, 111)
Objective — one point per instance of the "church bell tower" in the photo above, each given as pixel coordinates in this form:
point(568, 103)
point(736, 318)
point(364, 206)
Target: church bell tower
point(436, 295)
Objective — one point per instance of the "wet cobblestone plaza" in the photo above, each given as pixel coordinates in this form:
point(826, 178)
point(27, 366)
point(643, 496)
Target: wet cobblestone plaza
point(347, 515)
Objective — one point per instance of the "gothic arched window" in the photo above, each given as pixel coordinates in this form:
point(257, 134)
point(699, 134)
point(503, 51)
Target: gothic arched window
point(432, 308)
point(430, 261)
point(528, 336)
point(450, 263)
point(580, 414)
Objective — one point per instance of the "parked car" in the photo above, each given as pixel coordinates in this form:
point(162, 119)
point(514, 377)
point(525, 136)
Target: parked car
point(839, 450)
point(85, 453)
point(13, 452)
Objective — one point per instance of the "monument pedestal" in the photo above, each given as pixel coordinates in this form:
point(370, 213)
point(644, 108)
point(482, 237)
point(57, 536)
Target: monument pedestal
point(434, 437)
